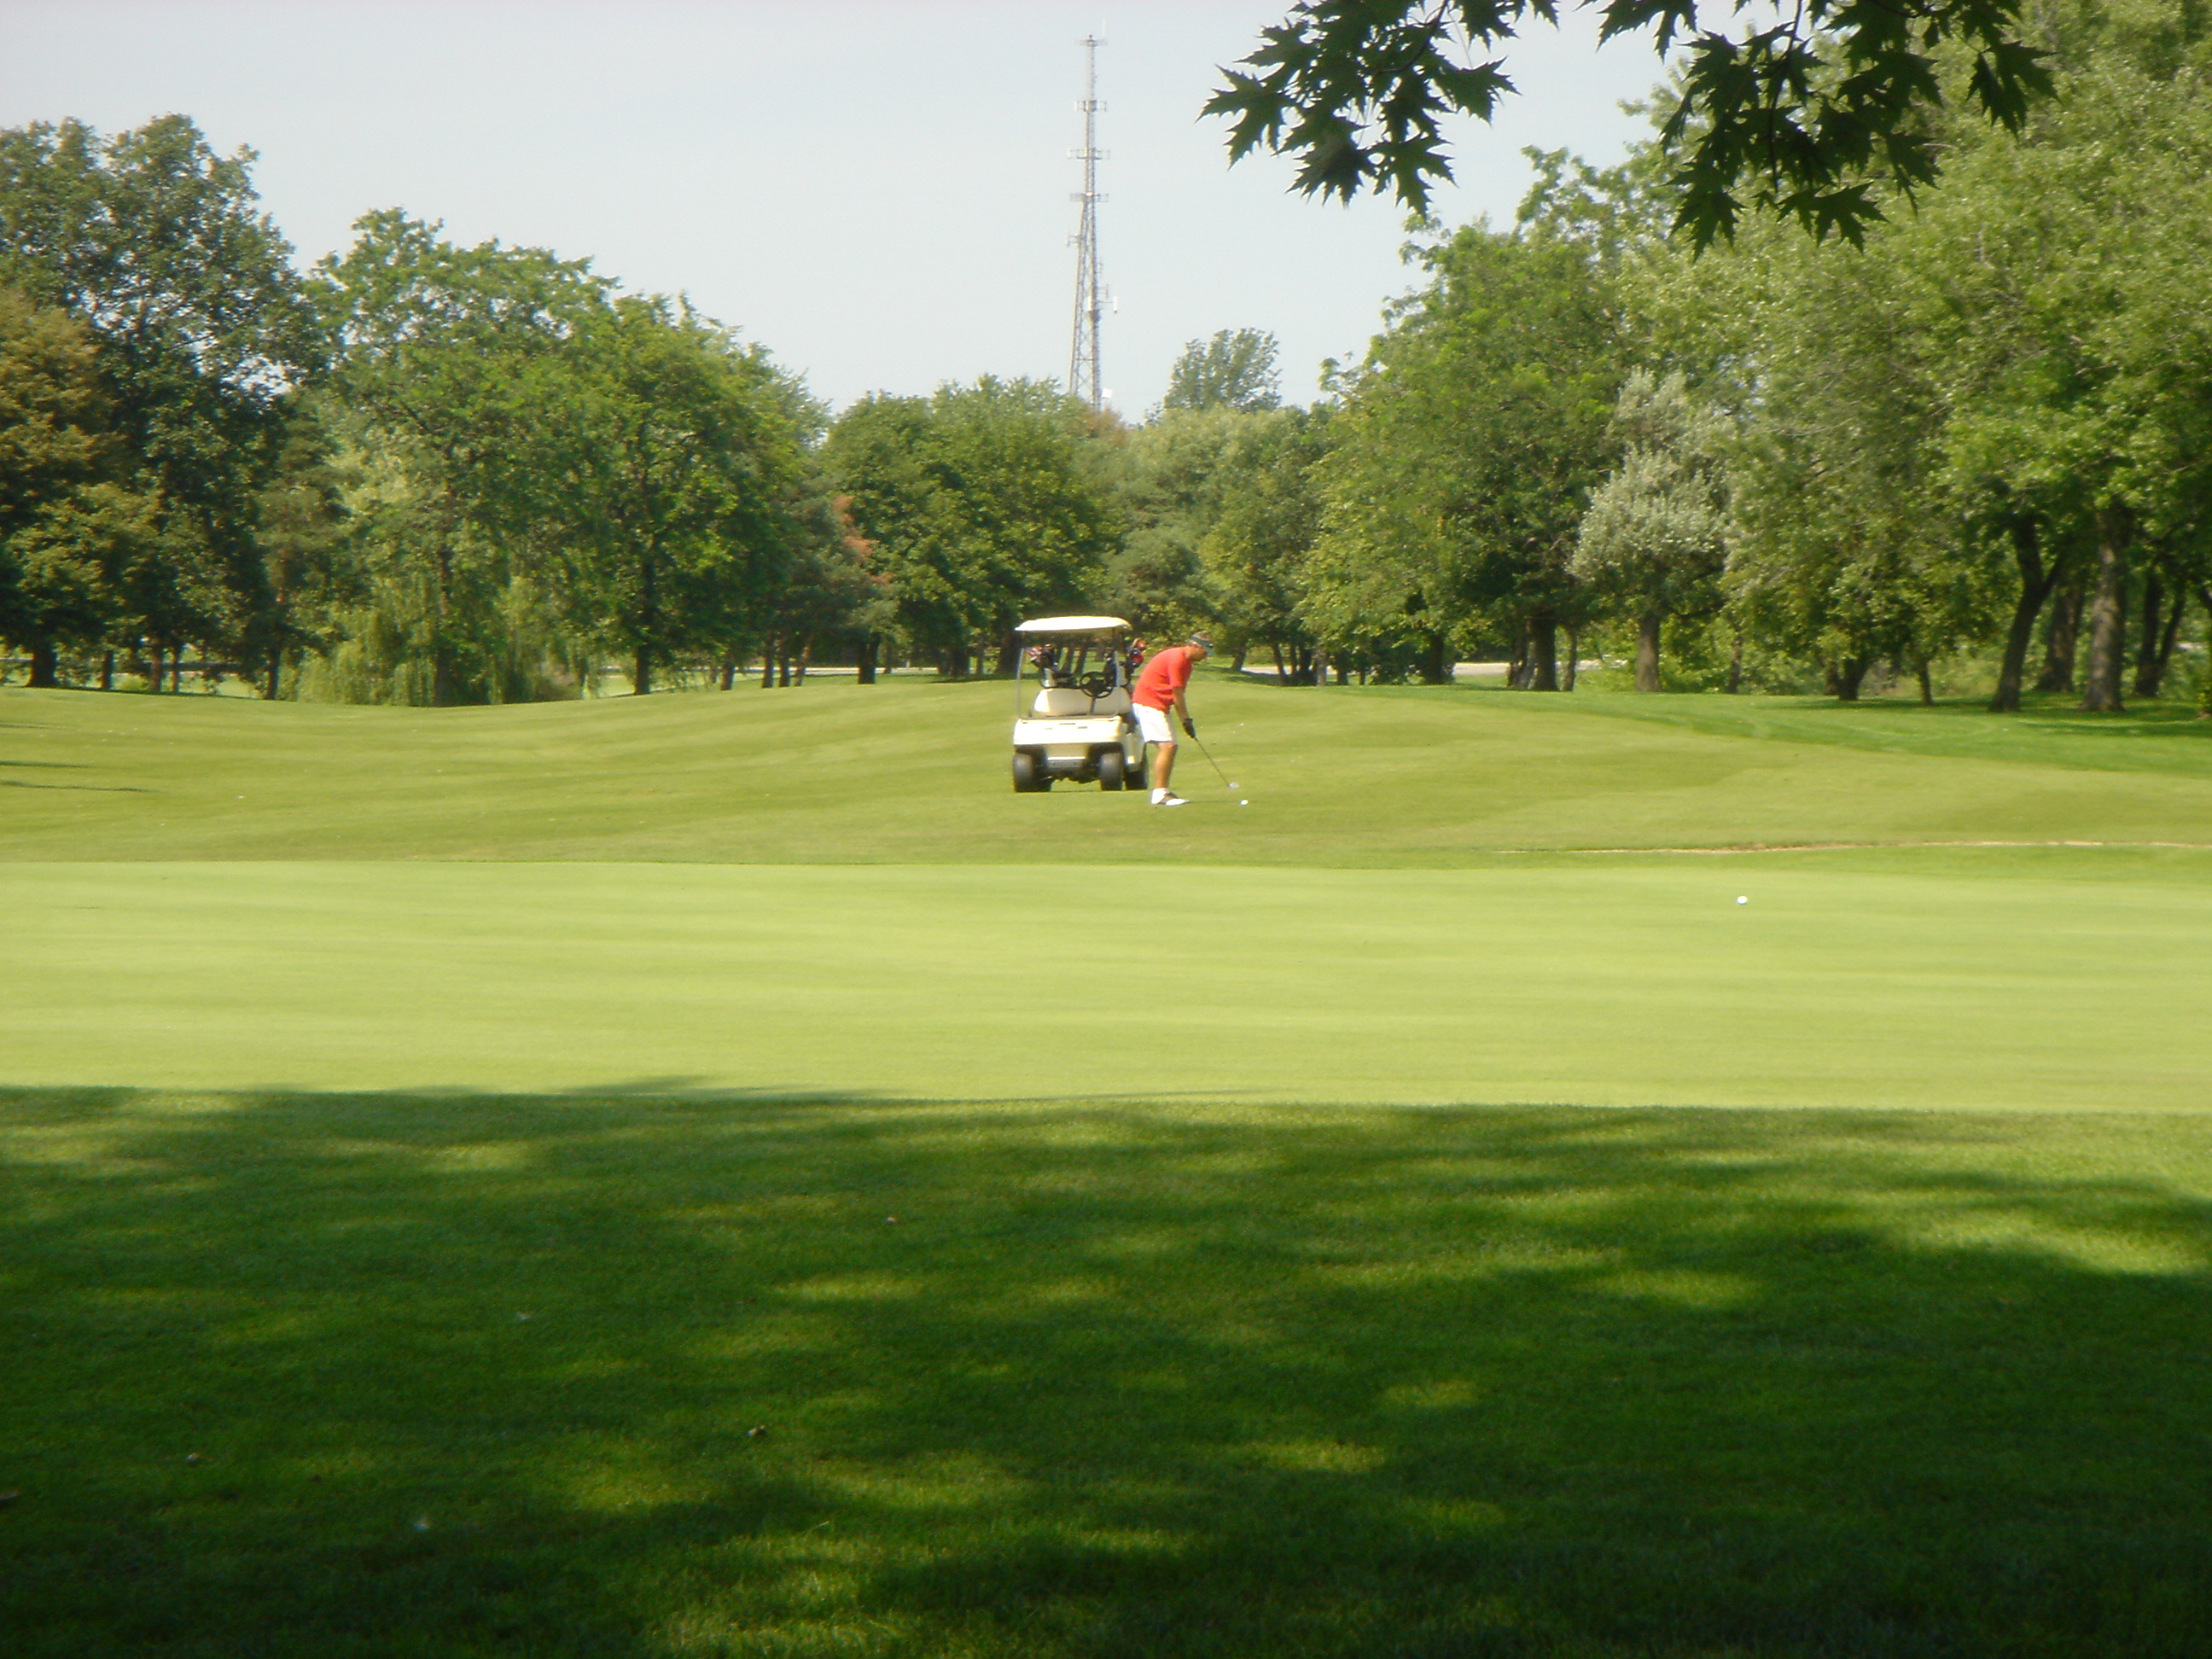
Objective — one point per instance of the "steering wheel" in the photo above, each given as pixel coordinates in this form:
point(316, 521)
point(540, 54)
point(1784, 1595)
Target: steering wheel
point(1094, 686)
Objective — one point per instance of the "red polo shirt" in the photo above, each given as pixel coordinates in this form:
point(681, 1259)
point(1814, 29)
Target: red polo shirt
point(1167, 673)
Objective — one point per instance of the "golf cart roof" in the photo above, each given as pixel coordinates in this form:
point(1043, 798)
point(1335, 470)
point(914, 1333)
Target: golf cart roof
point(1071, 625)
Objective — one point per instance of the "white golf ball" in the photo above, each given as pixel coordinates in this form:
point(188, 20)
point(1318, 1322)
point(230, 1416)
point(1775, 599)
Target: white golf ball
point(1244, 803)
point(1741, 898)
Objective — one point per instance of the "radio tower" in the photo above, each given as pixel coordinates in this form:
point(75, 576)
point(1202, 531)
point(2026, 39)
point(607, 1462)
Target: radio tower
point(1083, 381)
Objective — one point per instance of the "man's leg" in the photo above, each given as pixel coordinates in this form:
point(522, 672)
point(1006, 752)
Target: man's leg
point(1163, 765)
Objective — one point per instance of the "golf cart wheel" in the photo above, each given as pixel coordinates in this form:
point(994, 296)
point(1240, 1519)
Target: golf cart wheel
point(1028, 776)
point(1111, 769)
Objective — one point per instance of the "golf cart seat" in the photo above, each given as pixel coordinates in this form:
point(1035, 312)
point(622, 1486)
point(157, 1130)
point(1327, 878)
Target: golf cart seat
point(1067, 699)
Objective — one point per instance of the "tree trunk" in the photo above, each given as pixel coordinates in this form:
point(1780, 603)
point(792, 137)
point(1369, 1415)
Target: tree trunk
point(1237, 659)
point(1574, 659)
point(2035, 584)
point(729, 676)
point(45, 664)
point(1735, 664)
point(2153, 613)
point(2100, 695)
point(768, 664)
point(1282, 674)
point(107, 671)
point(1320, 666)
point(1435, 670)
point(157, 665)
point(648, 618)
point(2167, 642)
point(442, 656)
point(864, 671)
point(1544, 638)
point(1647, 650)
point(2065, 633)
point(275, 674)
point(1927, 690)
point(2158, 641)
point(1846, 675)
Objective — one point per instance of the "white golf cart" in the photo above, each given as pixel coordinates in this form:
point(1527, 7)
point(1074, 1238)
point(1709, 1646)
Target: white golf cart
point(1071, 719)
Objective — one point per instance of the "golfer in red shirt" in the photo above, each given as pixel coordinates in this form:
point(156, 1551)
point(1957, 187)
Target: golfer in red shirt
point(1158, 691)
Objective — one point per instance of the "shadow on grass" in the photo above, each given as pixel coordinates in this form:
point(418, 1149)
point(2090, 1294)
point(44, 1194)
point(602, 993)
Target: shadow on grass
point(462, 1375)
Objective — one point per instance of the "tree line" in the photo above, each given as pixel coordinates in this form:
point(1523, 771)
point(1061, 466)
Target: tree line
point(1971, 432)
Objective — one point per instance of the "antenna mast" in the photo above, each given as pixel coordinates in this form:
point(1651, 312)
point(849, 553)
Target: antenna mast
point(1083, 372)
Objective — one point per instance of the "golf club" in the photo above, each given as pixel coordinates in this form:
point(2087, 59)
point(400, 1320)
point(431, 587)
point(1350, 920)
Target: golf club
point(1216, 765)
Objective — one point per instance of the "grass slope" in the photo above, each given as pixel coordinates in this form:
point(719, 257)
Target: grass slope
point(916, 772)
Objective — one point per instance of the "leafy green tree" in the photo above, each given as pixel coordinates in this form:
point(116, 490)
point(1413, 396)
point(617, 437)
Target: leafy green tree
point(1168, 477)
point(308, 537)
point(1654, 537)
point(1846, 544)
point(1463, 455)
point(978, 505)
point(2007, 383)
point(154, 242)
point(1266, 520)
point(433, 346)
point(670, 477)
point(1804, 111)
point(59, 507)
point(827, 594)
point(1232, 370)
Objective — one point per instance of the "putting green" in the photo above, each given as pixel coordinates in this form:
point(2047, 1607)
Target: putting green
point(1995, 980)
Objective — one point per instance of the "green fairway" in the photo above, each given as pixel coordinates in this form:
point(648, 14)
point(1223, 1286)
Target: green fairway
point(721, 1175)
point(911, 771)
point(1992, 980)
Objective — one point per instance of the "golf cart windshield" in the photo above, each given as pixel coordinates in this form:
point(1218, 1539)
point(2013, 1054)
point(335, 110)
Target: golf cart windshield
point(1080, 663)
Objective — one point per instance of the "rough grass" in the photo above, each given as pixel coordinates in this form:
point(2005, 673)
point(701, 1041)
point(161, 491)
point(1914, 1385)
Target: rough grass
point(432, 1142)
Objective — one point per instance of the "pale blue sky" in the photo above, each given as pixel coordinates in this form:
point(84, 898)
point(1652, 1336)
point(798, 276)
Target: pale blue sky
point(878, 192)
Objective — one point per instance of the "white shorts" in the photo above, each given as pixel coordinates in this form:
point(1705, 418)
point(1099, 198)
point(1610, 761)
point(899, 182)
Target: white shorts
point(1152, 723)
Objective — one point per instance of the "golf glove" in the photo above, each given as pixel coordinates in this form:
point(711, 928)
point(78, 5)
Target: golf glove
point(1189, 726)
